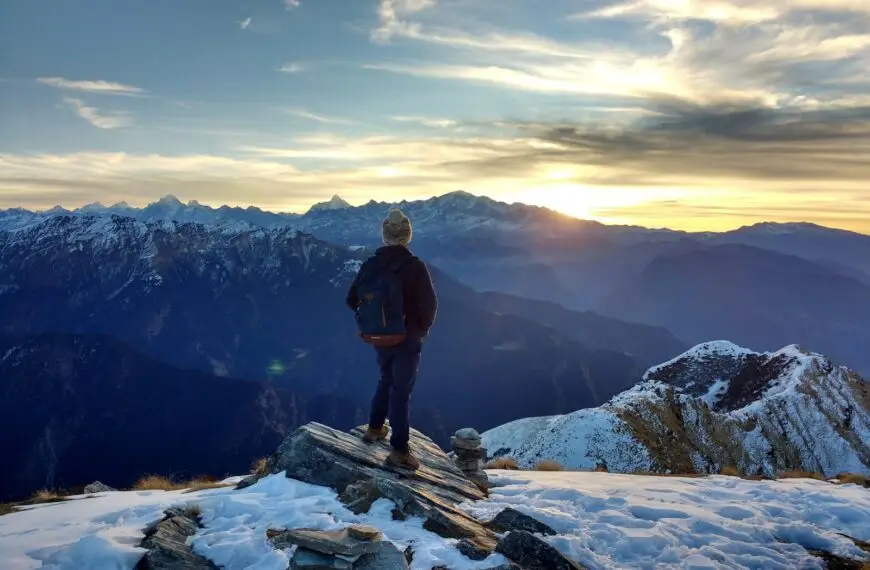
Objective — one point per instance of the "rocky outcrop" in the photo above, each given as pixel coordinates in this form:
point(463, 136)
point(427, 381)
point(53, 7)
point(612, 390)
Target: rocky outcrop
point(532, 553)
point(320, 455)
point(717, 405)
point(511, 519)
point(167, 546)
point(354, 547)
point(98, 487)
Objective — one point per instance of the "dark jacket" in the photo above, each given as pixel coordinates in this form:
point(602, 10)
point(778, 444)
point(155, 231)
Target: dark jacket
point(421, 302)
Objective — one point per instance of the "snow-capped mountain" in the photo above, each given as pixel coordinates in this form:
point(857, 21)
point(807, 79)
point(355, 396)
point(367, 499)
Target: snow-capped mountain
point(168, 208)
point(714, 406)
point(336, 203)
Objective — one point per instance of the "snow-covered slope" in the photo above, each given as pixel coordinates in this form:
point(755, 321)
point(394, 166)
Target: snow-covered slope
point(716, 405)
point(603, 521)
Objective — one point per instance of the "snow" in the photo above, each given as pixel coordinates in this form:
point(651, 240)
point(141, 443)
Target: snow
point(611, 521)
point(104, 531)
point(717, 348)
point(605, 521)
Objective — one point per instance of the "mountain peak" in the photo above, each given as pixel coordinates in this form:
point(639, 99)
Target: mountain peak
point(169, 200)
point(335, 203)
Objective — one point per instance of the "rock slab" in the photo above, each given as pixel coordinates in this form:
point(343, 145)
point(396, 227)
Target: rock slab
point(333, 543)
point(357, 471)
point(512, 519)
point(304, 559)
point(532, 553)
point(167, 546)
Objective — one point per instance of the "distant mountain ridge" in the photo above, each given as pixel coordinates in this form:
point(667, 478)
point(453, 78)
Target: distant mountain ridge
point(717, 405)
point(260, 304)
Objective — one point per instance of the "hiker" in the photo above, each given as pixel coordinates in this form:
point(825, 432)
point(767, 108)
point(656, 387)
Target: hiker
point(395, 306)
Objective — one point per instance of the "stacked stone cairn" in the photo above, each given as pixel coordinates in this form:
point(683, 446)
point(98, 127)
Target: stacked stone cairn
point(469, 455)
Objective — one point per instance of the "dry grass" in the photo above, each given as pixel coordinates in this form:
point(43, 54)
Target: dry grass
point(600, 469)
point(800, 475)
point(549, 465)
point(45, 496)
point(730, 470)
point(160, 483)
point(506, 463)
point(6, 508)
point(260, 467)
point(853, 478)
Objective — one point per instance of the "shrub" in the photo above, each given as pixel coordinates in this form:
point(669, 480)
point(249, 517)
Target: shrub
point(6, 508)
point(506, 463)
point(730, 470)
point(549, 465)
point(600, 469)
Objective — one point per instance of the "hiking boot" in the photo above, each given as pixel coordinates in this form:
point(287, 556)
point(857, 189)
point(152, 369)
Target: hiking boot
point(374, 434)
point(403, 459)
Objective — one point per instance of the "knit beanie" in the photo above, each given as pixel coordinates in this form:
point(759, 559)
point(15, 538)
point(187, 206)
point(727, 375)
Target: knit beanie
point(396, 229)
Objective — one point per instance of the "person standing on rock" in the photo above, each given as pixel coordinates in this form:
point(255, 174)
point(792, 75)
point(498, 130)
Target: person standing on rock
point(395, 304)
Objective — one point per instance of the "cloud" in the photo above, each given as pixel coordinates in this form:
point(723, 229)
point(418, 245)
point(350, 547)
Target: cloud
point(293, 67)
point(246, 23)
point(92, 115)
point(304, 114)
point(290, 4)
point(427, 121)
point(99, 86)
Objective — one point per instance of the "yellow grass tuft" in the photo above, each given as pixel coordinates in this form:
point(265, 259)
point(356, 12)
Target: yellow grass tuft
point(600, 469)
point(730, 470)
point(6, 508)
point(260, 467)
point(549, 465)
point(800, 475)
point(853, 478)
point(45, 496)
point(161, 483)
point(155, 483)
point(506, 463)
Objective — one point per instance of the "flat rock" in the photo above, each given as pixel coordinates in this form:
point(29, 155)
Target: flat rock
point(331, 542)
point(357, 471)
point(98, 487)
point(388, 557)
point(166, 542)
point(364, 532)
point(532, 553)
point(304, 559)
point(512, 519)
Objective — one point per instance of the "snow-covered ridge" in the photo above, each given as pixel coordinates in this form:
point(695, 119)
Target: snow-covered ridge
point(716, 405)
point(141, 250)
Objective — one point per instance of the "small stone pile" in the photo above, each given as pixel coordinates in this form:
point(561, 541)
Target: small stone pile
point(357, 547)
point(469, 455)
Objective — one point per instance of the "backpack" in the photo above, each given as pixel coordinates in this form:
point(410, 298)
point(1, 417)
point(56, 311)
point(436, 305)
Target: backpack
point(381, 312)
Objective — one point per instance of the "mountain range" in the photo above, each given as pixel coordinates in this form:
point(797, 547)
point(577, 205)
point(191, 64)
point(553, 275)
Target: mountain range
point(628, 272)
point(718, 405)
point(256, 305)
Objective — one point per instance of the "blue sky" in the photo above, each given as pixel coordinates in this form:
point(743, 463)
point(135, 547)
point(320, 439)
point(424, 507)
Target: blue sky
point(685, 113)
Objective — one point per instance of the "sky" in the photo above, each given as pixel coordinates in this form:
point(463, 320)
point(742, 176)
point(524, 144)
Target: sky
point(689, 114)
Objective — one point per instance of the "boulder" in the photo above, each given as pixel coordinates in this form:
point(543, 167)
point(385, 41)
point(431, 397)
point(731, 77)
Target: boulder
point(98, 487)
point(334, 542)
point(357, 471)
point(166, 542)
point(388, 557)
point(304, 559)
point(532, 553)
point(512, 519)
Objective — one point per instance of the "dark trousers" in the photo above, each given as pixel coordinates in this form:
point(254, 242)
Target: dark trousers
point(399, 365)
